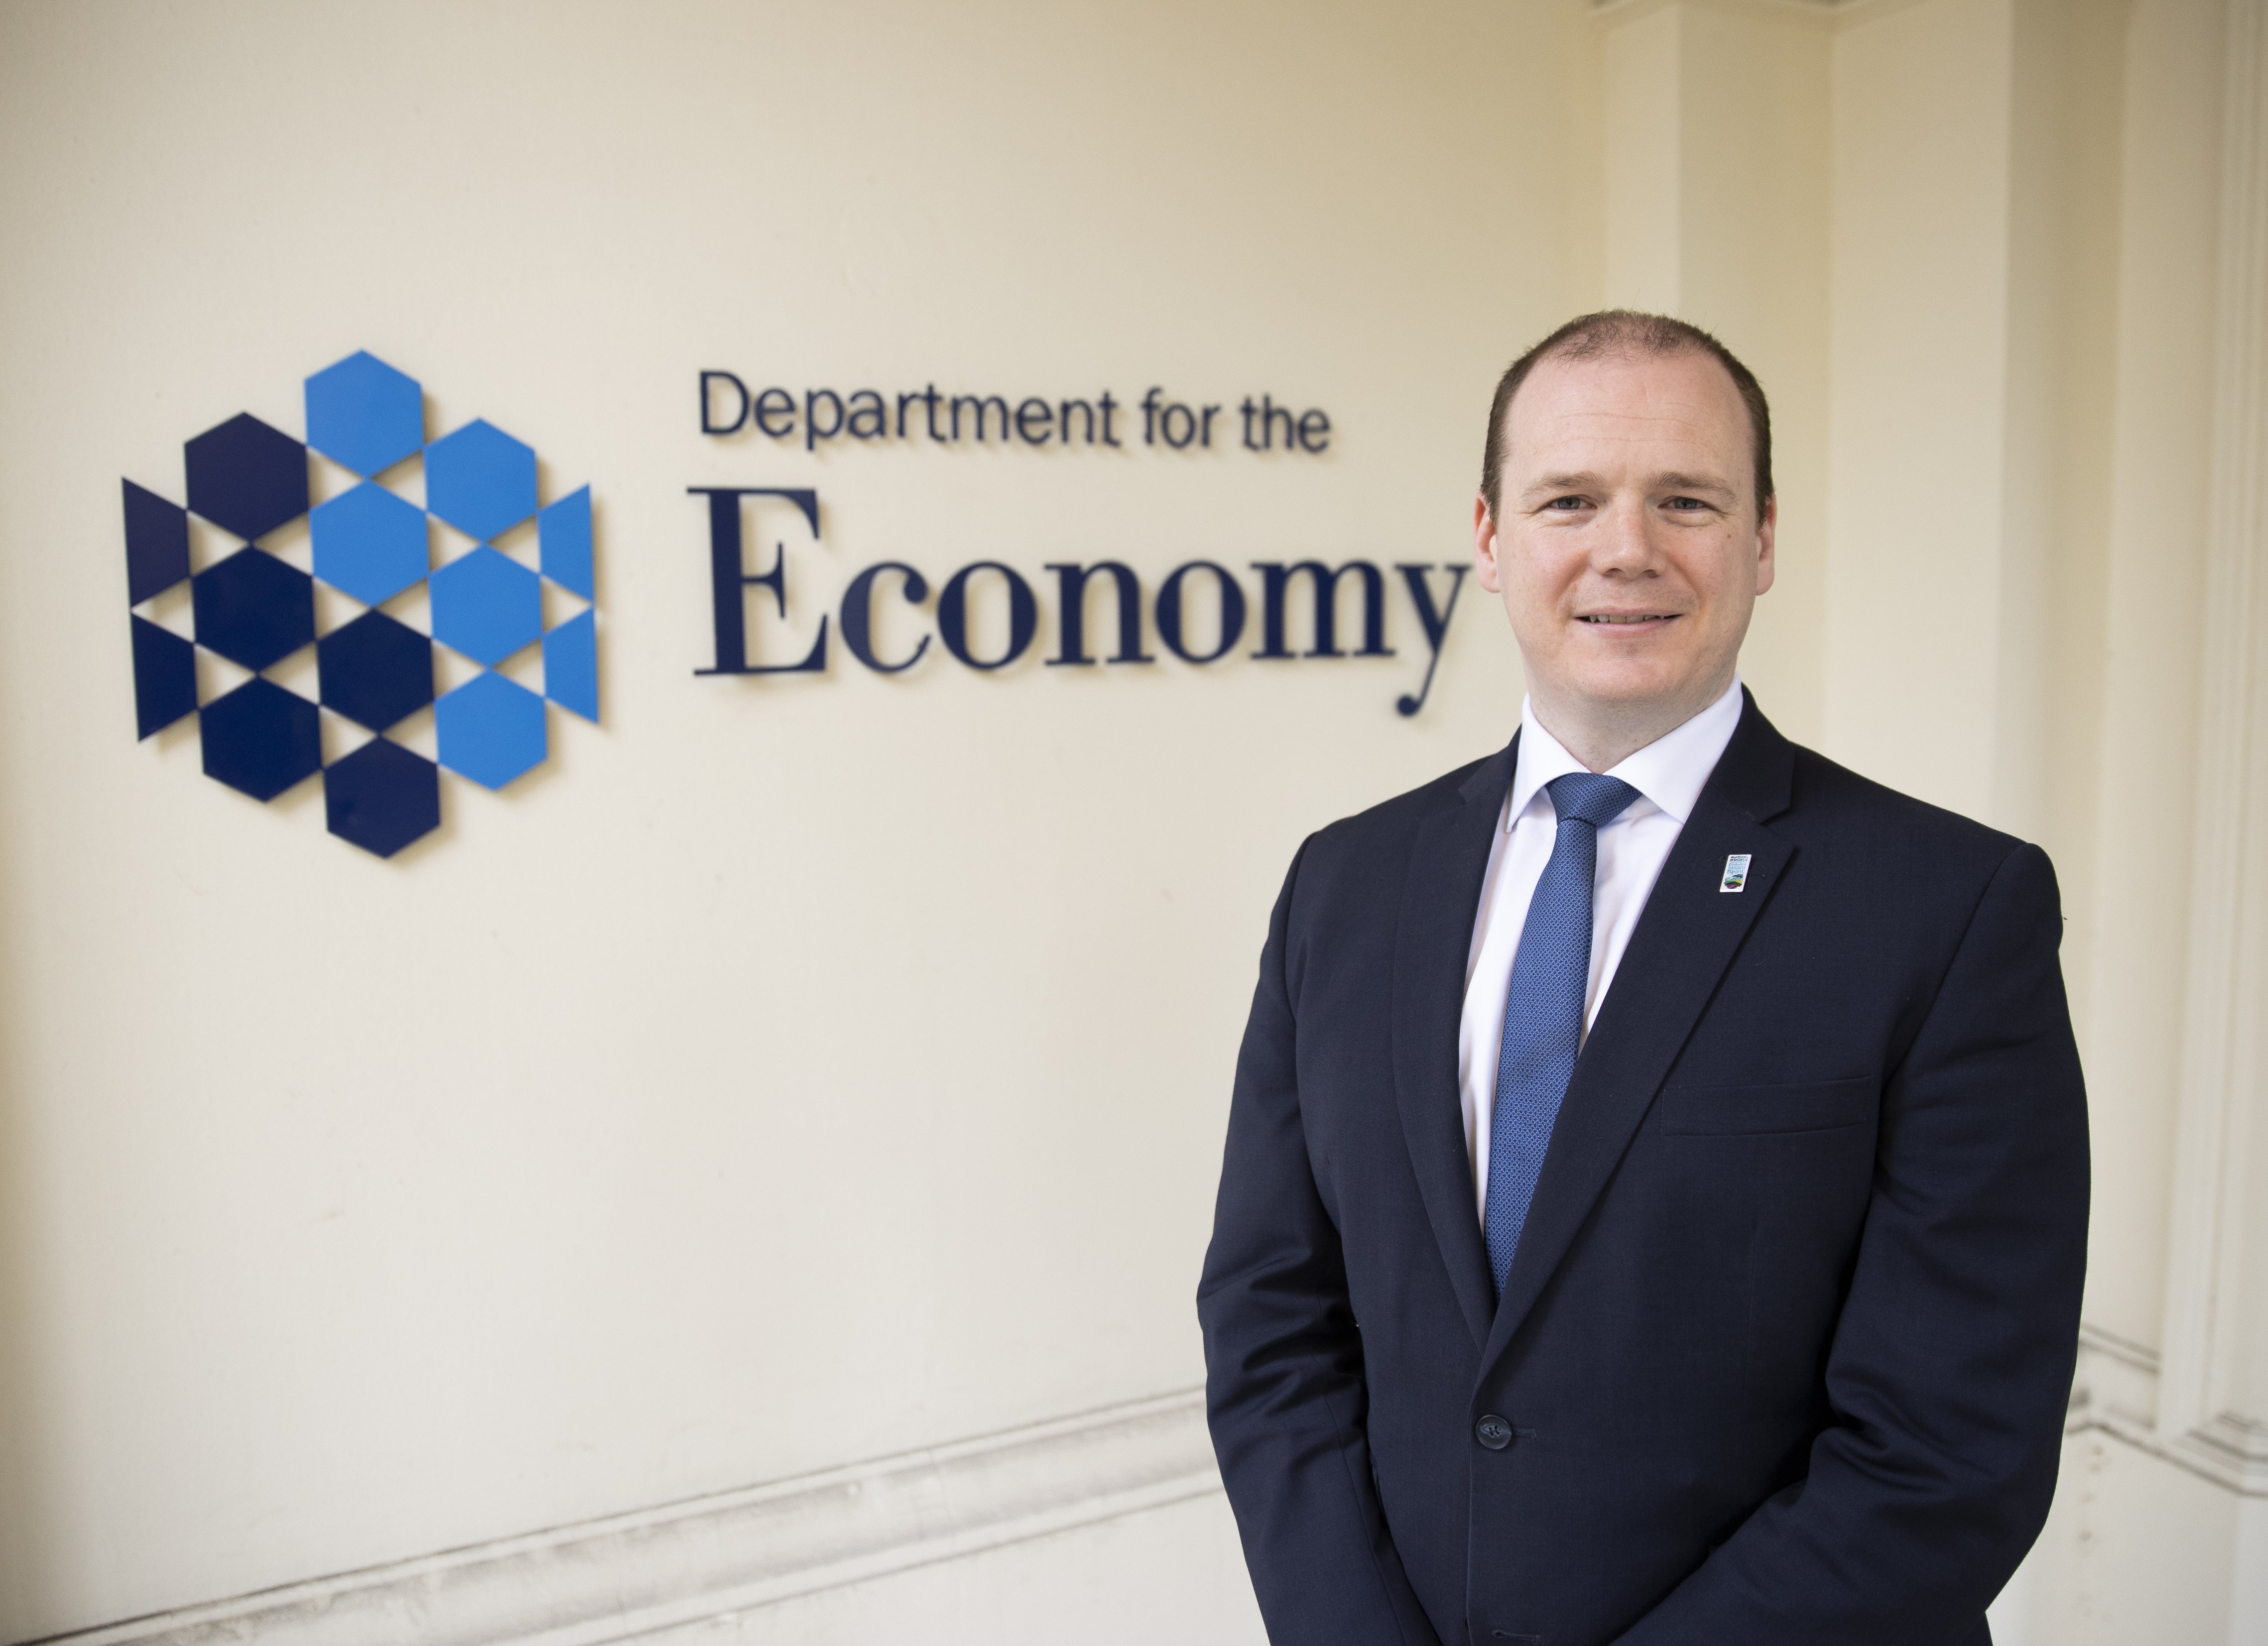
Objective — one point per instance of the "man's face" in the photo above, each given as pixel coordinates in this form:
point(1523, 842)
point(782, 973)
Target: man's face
point(1627, 544)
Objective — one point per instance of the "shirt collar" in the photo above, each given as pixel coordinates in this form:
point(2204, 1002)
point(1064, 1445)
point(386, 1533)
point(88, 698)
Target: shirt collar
point(1669, 772)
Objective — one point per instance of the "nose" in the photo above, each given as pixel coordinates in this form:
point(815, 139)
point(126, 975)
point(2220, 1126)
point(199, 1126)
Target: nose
point(1624, 544)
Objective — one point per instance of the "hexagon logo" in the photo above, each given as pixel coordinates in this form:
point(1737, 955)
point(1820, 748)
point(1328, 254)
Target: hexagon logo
point(373, 693)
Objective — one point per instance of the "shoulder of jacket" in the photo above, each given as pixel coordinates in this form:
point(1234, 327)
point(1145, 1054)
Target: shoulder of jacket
point(1396, 821)
point(1831, 793)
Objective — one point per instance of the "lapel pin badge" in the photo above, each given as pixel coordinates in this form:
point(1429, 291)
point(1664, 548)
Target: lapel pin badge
point(1736, 872)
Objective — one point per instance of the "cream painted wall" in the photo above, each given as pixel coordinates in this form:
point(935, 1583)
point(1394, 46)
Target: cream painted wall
point(1715, 179)
point(1754, 174)
point(1642, 144)
point(1918, 365)
point(795, 1072)
point(792, 1072)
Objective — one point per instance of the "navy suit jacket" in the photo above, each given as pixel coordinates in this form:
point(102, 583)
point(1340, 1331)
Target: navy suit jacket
point(1787, 1345)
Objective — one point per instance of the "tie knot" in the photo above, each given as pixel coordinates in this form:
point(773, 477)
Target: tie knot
point(1588, 797)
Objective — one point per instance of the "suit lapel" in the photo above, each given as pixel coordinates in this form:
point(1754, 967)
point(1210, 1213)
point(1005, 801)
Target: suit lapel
point(1432, 944)
point(1684, 940)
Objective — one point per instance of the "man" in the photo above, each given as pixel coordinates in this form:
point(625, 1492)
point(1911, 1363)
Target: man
point(1654, 1203)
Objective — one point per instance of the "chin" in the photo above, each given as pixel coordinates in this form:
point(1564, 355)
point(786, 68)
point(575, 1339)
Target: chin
point(1629, 685)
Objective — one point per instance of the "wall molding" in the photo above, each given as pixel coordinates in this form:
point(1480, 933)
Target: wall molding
point(2115, 1390)
point(1618, 9)
point(1831, 14)
point(633, 1577)
point(636, 1576)
point(1784, 5)
point(2114, 1387)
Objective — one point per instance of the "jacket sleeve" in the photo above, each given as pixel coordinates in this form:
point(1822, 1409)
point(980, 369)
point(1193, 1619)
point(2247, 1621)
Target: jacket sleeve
point(1283, 1372)
point(1951, 1365)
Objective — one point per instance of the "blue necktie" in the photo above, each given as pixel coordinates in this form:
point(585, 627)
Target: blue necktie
point(1543, 1010)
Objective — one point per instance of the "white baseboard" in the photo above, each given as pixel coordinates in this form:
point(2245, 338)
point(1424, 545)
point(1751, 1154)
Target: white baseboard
point(2115, 1386)
point(2116, 1390)
point(632, 1576)
point(636, 1576)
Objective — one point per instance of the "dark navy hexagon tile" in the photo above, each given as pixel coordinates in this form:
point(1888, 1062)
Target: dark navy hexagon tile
point(375, 671)
point(246, 477)
point(260, 739)
point(253, 608)
point(382, 798)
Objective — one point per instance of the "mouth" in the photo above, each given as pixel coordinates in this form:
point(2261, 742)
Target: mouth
point(1627, 620)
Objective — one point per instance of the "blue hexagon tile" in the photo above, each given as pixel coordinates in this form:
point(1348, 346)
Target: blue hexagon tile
point(479, 479)
point(487, 606)
point(371, 544)
point(365, 415)
point(490, 730)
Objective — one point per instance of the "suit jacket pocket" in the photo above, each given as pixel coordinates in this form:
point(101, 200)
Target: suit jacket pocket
point(1748, 1111)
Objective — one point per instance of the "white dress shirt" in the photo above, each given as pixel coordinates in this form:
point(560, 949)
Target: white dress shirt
point(1669, 775)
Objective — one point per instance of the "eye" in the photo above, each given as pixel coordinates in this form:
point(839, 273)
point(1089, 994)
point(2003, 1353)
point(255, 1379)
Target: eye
point(1565, 505)
point(1684, 504)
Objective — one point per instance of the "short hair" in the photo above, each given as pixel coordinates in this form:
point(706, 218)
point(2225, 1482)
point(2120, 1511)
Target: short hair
point(1623, 332)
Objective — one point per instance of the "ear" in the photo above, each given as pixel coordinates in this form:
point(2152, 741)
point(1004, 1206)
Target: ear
point(1765, 527)
point(1484, 564)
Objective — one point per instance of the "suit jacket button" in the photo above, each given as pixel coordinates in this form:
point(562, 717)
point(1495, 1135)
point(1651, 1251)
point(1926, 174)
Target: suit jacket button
point(1493, 1432)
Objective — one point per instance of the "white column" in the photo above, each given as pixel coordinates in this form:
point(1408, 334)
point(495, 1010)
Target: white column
point(2213, 1393)
point(2128, 932)
point(2161, 1528)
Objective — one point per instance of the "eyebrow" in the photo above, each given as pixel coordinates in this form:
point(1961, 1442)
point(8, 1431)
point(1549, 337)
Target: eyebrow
point(1691, 482)
point(1589, 481)
point(1559, 483)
